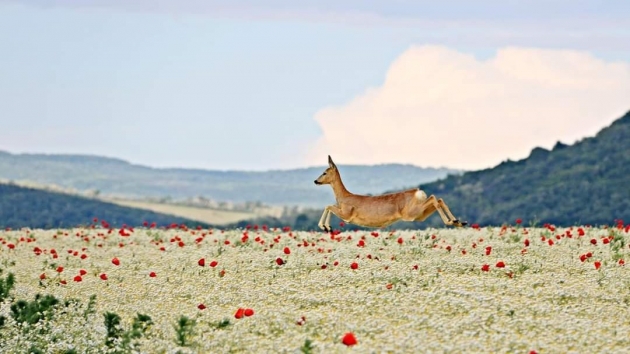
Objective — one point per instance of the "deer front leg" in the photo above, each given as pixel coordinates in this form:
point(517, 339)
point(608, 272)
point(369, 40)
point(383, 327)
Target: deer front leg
point(340, 212)
point(456, 221)
point(321, 220)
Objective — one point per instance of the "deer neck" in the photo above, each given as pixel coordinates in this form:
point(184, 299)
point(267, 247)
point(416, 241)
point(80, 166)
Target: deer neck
point(338, 188)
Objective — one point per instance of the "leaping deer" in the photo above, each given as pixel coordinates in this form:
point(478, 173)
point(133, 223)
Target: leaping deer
point(382, 210)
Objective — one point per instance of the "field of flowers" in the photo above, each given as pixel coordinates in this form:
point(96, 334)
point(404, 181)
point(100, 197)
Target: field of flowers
point(510, 289)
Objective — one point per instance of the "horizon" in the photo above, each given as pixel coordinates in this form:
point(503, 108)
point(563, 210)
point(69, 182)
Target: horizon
point(280, 85)
point(219, 170)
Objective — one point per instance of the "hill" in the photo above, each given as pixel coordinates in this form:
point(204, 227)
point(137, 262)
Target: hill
point(29, 207)
point(115, 177)
point(584, 183)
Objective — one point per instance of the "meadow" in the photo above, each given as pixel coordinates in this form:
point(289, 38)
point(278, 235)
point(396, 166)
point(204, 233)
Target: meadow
point(205, 215)
point(510, 289)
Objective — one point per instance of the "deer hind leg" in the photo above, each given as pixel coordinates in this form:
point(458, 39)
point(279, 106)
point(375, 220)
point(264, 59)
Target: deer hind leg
point(424, 209)
point(456, 221)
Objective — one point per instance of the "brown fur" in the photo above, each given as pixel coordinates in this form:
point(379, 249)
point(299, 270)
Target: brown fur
point(382, 210)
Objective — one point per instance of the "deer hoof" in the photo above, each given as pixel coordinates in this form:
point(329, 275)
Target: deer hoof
point(458, 223)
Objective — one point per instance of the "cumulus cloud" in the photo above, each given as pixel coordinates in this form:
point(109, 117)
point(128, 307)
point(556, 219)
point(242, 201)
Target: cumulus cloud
point(441, 107)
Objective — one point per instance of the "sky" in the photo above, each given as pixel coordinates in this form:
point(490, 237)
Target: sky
point(279, 84)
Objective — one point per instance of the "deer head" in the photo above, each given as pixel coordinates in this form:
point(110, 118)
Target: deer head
point(329, 175)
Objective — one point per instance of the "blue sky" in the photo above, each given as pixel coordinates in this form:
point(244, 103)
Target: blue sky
point(240, 86)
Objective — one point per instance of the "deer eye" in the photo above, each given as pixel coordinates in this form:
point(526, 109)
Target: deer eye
point(323, 173)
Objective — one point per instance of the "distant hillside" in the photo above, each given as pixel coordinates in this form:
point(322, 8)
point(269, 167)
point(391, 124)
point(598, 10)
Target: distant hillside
point(584, 183)
point(28, 207)
point(120, 178)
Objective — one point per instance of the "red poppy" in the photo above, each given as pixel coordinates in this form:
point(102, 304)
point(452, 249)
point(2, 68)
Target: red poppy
point(500, 264)
point(103, 276)
point(597, 264)
point(488, 250)
point(78, 278)
point(519, 221)
point(152, 275)
point(354, 265)
point(279, 261)
point(201, 306)
point(389, 286)
point(248, 312)
point(593, 241)
point(42, 276)
point(287, 250)
point(115, 261)
point(201, 262)
point(239, 313)
point(82, 272)
point(400, 240)
point(526, 243)
point(485, 268)
point(59, 269)
point(621, 262)
point(349, 339)
point(213, 264)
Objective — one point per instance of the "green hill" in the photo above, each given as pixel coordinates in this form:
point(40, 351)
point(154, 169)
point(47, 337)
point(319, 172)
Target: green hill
point(34, 208)
point(584, 183)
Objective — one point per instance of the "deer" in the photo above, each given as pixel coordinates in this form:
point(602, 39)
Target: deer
point(381, 210)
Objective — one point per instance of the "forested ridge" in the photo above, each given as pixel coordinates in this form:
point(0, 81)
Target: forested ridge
point(34, 208)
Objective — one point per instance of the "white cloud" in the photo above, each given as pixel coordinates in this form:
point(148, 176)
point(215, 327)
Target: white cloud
point(440, 107)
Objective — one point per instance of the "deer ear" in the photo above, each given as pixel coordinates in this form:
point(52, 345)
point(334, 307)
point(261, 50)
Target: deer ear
point(330, 162)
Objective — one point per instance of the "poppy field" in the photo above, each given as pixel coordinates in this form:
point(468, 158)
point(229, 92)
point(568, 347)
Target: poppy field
point(510, 289)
